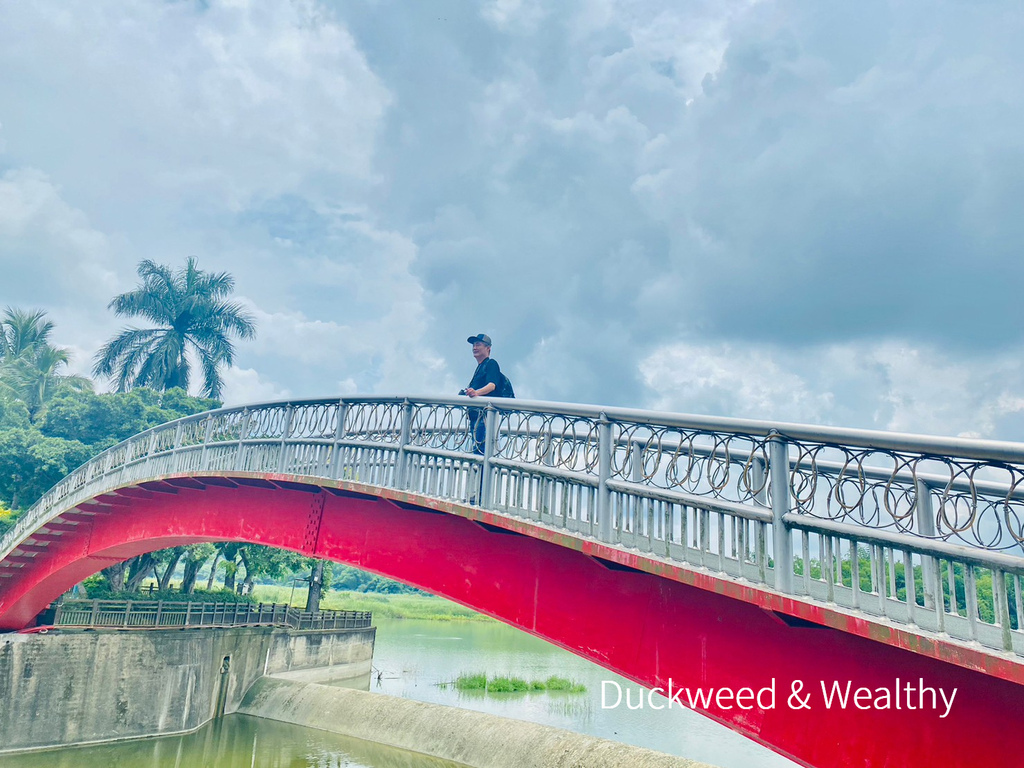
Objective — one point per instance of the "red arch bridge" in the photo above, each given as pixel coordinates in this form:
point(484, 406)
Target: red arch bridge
point(848, 598)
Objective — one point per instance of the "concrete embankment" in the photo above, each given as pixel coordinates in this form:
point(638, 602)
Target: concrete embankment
point(75, 687)
point(472, 738)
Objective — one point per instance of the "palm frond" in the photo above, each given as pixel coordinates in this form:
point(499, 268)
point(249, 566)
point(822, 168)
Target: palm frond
point(23, 329)
point(192, 312)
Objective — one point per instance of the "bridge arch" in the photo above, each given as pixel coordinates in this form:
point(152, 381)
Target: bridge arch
point(386, 488)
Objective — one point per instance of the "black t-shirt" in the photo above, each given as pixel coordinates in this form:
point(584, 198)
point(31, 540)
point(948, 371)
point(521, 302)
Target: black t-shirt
point(487, 372)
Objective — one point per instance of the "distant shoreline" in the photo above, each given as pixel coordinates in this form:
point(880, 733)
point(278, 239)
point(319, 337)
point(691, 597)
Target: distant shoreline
point(381, 604)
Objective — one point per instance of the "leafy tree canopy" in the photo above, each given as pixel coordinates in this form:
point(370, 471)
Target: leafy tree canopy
point(103, 420)
point(75, 426)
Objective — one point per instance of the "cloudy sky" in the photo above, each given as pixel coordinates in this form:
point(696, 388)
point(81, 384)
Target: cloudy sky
point(787, 210)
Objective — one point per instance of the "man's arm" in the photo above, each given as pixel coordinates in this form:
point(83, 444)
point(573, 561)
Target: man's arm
point(482, 392)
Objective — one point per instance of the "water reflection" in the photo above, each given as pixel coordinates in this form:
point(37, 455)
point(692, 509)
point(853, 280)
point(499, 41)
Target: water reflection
point(237, 741)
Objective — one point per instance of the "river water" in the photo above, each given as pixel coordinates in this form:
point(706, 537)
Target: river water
point(237, 741)
point(419, 660)
point(415, 658)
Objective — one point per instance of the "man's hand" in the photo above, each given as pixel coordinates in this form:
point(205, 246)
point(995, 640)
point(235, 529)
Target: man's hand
point(470, 391)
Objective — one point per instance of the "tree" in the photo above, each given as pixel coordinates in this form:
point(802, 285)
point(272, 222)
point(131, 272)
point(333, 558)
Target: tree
point(195, 555)
point(30, 463)
point(263, 561)
point(316, 586)
point(173, 555)
point(103, 420)
point(22, 330)
point(193, 317)
point(29, 364)
point(7, 518)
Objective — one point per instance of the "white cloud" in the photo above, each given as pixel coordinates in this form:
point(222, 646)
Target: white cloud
point(889, 385)
point(520, 15)
point(49, 250)
point(244, 385)
point(782, 210)
point(224, 100)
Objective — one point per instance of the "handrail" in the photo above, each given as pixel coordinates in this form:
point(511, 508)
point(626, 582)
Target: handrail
point(137, 614)
point(772, 502)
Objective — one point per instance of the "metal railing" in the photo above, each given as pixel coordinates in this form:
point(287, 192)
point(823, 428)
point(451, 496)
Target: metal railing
point(923, 531)
point(133, 614)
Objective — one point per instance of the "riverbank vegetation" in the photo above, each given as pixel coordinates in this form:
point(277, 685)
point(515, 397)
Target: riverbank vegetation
point(510, 684)
point(383, 605)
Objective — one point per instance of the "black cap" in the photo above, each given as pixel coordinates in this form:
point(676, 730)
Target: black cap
point(483, 337)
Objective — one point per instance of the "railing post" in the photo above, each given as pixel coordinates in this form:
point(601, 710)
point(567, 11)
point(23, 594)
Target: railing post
point(205, 457)
point(339, 434)
point(632, 504)
point(604, 471)
point(177, 445)
point(289, 411)
point(781, 539)
point(246, 415)
point(402, 459)
point(487, 471)
point(926, 527)
point(152, 445)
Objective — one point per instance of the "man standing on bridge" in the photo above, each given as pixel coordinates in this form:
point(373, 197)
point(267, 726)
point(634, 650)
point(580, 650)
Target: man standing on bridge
point(486, 381)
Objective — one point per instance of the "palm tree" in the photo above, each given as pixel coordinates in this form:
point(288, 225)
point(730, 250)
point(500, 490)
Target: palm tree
point(29, 364)
point(193, 316)
point(22, 330)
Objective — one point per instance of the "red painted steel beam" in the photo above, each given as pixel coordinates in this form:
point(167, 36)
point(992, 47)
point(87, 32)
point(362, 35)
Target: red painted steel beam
point(652, 628)
point(82, 519)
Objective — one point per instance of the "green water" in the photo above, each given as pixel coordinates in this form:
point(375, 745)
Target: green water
point(415, 659)
point(237, 741)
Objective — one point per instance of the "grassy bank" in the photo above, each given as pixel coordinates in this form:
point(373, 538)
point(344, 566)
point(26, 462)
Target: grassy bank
point(386, 606)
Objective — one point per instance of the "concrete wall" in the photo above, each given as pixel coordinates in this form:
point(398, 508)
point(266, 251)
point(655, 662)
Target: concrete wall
point(450, 733)
point(312, 649)
point(74, 687)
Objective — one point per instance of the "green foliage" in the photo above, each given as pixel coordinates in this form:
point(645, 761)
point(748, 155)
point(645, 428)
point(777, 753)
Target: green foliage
point(103, 420)
point(31, 463)
point(75, 425)
point(507, 684)
point(355, 580)
point(471, 682)
point(510, 684)
point(30, 366)
point(99, 589)
point(425, 607)
point(555, 683)
point(13, 413)
point(8, 517)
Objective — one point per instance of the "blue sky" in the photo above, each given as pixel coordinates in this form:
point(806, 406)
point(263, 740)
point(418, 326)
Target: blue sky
point(783, 210)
